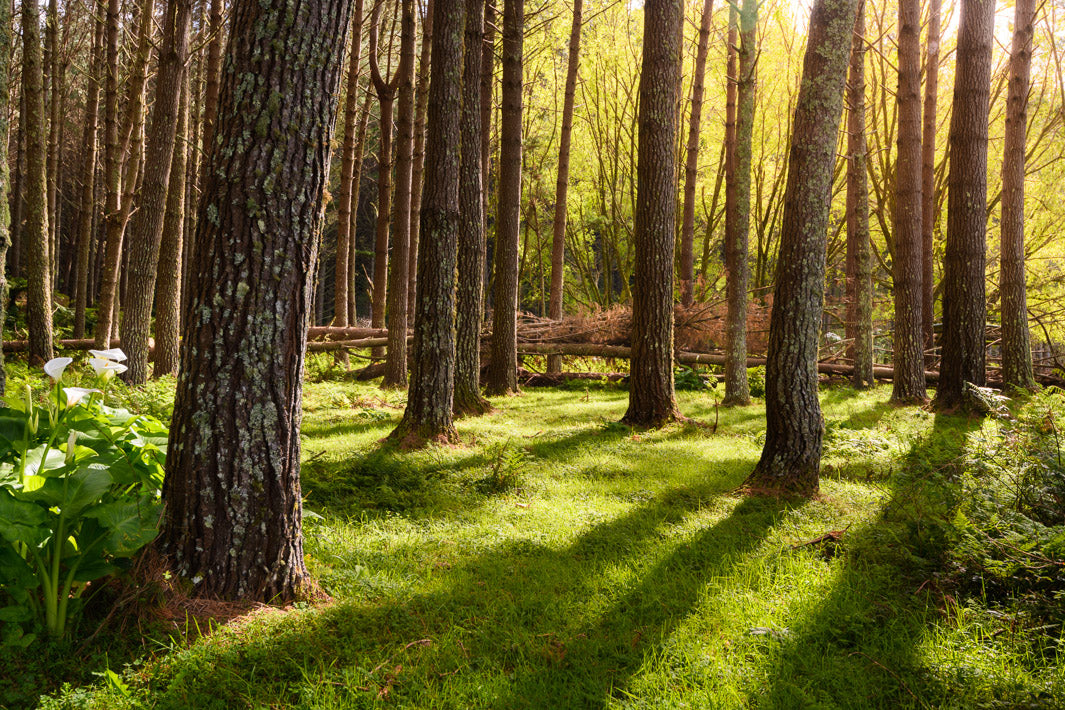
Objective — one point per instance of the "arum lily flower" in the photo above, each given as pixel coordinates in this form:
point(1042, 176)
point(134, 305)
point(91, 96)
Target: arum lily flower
point(76, 394)
point(72, 442)
point(114, 354)
point(54, 367)
point(107, 368)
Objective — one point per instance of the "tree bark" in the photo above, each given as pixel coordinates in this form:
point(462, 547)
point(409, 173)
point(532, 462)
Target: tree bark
point(558, 226)
point(6, 46)
point(232, 522)
point(35, 233)
point(1017, 371)
point(859, 250)
point(651, 398)
point(471, 239)
point(909, 384)
point(428, 416)
point(928, 175)
point(396, 362)
point(146, 232)
point(421, 103)
point(88, 181)
point(503, 361)
point(356, 183)
point(791, 457)
point(964, 305)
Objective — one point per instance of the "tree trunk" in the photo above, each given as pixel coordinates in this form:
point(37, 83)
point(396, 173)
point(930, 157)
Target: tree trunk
point(928, 176)
point(651, 399)
point(6, 46)
point(232, 525)
point(54, 78)
point(1017, 369)
point(791, 457)
point(428, 414)
point(691, 164)
point(488, 58)
point(396, 362)
point(169, 275)
point(35, 234)
point(421, 103)
point(503, 362)
point(737, 390)
point(471, 239)
point(146, 232)
point(964, 304)
point(909, 384)
point(859, 250)
point(356, 183)
point(88, 181)
point(558, 226)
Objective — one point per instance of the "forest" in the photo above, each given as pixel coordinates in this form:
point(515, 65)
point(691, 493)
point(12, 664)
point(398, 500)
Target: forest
point(532, 354)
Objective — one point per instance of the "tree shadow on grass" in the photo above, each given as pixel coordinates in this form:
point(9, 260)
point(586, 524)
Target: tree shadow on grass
point(857, 643)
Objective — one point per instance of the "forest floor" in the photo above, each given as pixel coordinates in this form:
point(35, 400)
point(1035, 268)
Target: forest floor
point(558, 559)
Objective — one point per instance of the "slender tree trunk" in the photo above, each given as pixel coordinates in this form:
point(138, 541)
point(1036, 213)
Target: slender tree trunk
point(169, 275)
point(428, 415)
point(35, 234)
point(928, 177)
point(558, 226)
point(421, 104)
point(1017, 371)
point(488, 58)
point(651, 398)
point(859, 250)
point(88, 181)
point(6, 46)
point(232, 525)
point(396, 362)
point(691, 165)
point(471, 239)
point(54, 85)
point(791, 457)
point(345, 269)
point(503, 363)
point(146, 232)
point(356, 182)
point(964, 305)
point(737, 389)
point(908, 385)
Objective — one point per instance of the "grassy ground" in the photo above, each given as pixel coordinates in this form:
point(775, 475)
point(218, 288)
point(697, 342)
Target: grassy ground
point(557, 559)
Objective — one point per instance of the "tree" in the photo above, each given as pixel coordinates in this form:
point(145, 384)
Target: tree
point(651, 398)
point(88, 181)
point(428, 416)
point(6, 44)
point(737, 219)
point(471, 238)
point(232, 525)
point(964, 305)
point(35, 234)
point(503, 359)
point(859, 251)
point(691, 163)
point(421, 105)
point(146, 232)
point(791, 457)
point(1017, 371)
point(928, 174)
point(908, 381)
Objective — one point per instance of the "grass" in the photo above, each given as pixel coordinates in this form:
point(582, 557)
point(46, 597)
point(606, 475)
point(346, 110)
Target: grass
point(557, 559)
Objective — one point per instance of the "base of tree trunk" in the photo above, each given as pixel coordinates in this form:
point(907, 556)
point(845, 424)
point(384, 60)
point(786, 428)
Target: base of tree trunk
point(736, 402)
point(410, 437)
point(470, 404)
point(782, 484)
point(652, 420)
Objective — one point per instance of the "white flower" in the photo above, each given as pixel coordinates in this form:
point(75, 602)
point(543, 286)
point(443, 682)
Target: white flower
point(107, 368)
point(114, 354)
point(54, 367)
point(72, 441)
point(76, 394)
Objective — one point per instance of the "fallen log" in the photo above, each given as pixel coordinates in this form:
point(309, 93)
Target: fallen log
point(328, 332)
point(21, 346)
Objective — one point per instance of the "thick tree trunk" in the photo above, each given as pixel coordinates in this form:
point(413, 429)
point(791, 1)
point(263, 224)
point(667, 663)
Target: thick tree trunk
point(1017, 371)
point(421, 104)
point(87, 210)
point(909, 384)
point(146, 232)
point(428, 415)
point(791, 458)
point(35, 233)
point(503, 362)
point(859, 250)
point(398, 278)
point(232, 525)
point(691, 164)
point(737, 390)
point(558, 226)
point(471, 239)
point(171, 248)
point(651, 399)
point(928, 176)
point(964, 304)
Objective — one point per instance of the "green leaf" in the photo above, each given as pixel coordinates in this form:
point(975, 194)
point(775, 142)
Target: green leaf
point(73, 492)
point(21, 520)
point(15, 613)
point(12, 428)
point(53, 460)
point(129, 525)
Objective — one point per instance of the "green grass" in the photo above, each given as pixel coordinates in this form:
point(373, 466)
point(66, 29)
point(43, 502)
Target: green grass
point(556, 559)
